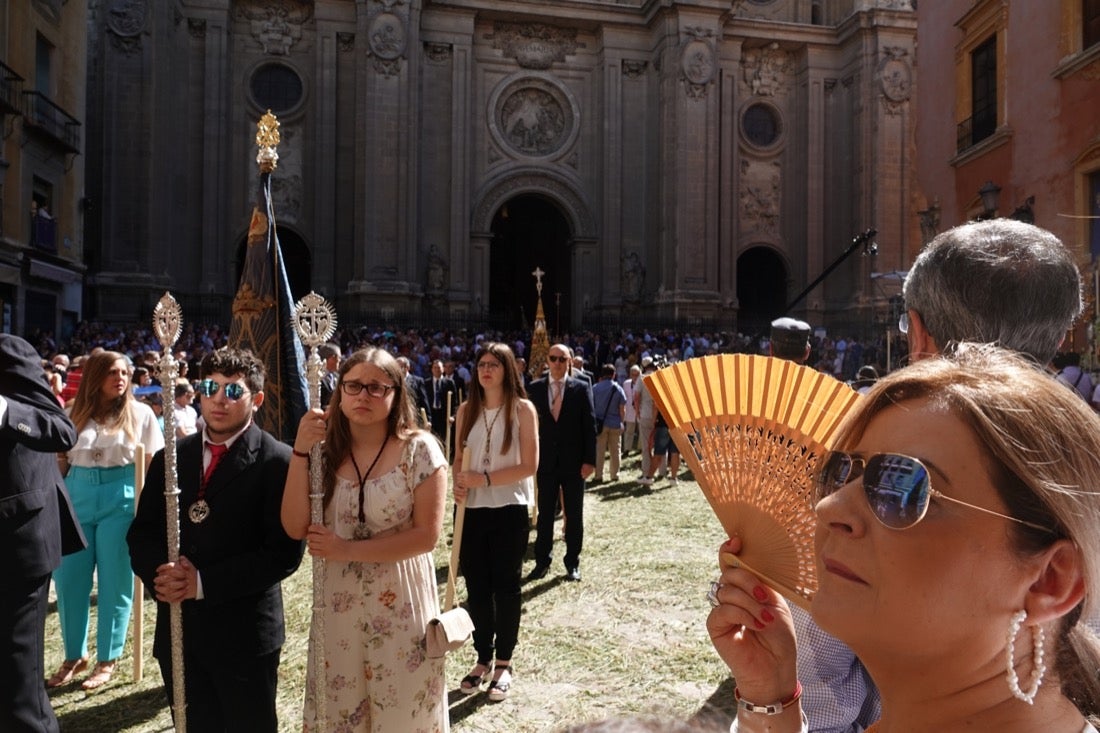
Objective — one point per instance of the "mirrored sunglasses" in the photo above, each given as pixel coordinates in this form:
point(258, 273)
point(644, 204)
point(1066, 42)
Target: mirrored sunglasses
point(897, 487)
point(555, 358)
point(233, 390)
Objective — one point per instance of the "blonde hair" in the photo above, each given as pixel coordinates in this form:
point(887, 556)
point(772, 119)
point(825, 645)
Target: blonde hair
point(1043, 456)
point(90, 404)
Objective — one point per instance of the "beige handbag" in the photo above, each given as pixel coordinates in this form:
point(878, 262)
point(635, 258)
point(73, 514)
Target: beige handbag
point(453, 627)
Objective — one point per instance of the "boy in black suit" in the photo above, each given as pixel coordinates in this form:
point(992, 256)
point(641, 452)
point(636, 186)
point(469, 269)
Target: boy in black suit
point(233, 553)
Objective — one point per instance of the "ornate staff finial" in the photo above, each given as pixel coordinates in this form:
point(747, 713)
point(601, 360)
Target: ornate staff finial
point(267, 139)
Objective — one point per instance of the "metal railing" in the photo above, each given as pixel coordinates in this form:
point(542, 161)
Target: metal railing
point(11, 90)
point(42, 113)
point(973, 130)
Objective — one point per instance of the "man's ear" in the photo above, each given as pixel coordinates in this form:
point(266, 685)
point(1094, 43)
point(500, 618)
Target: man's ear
point(257, 400)
point(1060, 585)
point(921, 343)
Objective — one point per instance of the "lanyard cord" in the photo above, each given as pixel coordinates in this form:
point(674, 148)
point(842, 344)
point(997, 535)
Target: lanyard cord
point(363, 477)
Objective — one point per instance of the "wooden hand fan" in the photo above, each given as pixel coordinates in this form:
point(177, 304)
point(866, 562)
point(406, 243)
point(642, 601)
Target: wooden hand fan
point(753, 430)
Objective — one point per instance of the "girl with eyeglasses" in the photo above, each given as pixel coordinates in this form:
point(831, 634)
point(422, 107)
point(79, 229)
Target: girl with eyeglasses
point(99, 474)
point(958, 554)
point(384, 493)
point(498, 428)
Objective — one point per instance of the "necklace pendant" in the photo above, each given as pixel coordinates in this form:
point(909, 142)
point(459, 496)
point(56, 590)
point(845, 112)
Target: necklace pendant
point(199, 511)
point(485, 460)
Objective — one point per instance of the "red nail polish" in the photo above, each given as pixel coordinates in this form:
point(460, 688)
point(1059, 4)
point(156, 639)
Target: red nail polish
point(757, 624)
point(759, 594)
point(767, 616)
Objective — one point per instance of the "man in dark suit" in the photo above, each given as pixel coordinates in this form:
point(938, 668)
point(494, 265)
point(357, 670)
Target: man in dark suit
point(567, 456)
point(439, 390)
point(233, 553)
point(418, 391)
point(330, 358)
point(37, 525)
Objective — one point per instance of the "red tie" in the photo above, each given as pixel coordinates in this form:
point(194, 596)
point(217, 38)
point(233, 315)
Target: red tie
point(216, 453)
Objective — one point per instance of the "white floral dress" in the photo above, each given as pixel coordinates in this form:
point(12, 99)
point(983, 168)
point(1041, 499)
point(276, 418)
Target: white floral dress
point(379, 678)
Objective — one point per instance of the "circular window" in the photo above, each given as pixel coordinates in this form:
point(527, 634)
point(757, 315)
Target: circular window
point(760, 125)
point(276, 87)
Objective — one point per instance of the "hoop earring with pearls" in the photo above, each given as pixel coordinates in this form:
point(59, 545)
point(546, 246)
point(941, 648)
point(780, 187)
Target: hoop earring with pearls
point(1038, 666)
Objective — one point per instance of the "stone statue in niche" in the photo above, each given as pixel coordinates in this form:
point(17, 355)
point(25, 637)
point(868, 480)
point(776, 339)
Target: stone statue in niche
point(277, 24)
point(633, 278)
point(437, 270)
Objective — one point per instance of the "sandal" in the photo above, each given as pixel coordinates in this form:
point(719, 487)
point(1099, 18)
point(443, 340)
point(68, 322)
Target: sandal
point(498, 691)
point(471, 683)
point(65, 673)
point(100, 676)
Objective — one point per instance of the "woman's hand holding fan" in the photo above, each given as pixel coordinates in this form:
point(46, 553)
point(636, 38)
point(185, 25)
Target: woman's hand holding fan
point(752, 629)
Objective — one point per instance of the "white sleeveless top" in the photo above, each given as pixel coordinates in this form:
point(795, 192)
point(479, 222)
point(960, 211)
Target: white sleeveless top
point(492, 497)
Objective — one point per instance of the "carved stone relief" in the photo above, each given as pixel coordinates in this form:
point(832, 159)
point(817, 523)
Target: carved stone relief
point(387, 39)
point(346, 41)
point(196, 27)
point(758, 200)
point(126, 21)
point(766, 70)
point(276, 25)
point(697, 61)
point(633, 69)
point(533, 116)
point(534, 45)
point(895, 76)
point(438, 52)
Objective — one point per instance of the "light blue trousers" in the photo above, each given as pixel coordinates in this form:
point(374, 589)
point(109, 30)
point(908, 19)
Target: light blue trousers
point(104, 502)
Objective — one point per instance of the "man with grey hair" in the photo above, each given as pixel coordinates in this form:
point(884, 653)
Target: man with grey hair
point(999, 281)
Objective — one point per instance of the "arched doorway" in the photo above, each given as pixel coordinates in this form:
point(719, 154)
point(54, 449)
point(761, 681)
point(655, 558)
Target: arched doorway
point(296, 260)
point(761, 289)
point(529, 231)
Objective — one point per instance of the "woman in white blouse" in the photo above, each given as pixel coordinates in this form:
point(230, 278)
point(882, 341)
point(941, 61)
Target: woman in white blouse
point(99, 474)
point(498, 427)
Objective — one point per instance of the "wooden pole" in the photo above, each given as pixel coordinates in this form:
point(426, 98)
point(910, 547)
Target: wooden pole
point(138, 606)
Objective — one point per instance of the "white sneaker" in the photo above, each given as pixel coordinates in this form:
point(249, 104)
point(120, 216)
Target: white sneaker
point(674, 480)
point(645, 481)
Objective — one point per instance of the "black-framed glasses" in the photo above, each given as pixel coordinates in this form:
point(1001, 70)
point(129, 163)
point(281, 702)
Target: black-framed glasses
point(555, 358)
point(233, 390)
point(490, 365)
point(374, 389)
point(897, 487)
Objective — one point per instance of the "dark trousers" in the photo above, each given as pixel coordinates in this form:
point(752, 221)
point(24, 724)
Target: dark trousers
point(227, 694)
point(572, 490)
point(494, 542)
point(24, 705)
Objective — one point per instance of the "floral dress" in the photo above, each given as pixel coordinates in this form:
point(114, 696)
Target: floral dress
point(379, 678)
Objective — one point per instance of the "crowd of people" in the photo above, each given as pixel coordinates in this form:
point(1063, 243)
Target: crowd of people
point(957, 513)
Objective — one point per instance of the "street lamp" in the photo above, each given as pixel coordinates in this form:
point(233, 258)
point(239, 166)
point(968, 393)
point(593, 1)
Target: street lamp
point(989, 194)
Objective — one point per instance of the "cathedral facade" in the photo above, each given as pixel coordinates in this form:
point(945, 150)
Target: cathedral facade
point(686, 161)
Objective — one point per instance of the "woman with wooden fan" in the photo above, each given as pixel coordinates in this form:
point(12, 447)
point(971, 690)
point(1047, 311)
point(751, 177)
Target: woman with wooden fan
point(498, 428)
point(958, 554)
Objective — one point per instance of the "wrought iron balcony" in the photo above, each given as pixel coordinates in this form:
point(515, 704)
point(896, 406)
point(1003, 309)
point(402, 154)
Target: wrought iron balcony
point(11, 91)
point(42, 115)
point(973, 130)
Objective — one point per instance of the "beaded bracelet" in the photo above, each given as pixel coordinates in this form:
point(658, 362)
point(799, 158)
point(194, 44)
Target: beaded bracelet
point(774, 708)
